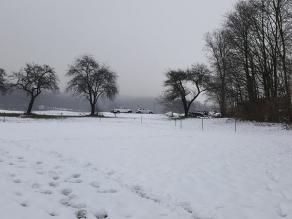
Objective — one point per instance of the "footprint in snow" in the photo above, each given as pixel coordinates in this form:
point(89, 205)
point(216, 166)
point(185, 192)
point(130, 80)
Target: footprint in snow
point(70, 203)
point(57, 167)
point(76, 175)
point(46, 192)
point(110, 173)
point(108, 191)
point(53, 213)
point(140, 192)
point(81, 214)
point(100, 214)
point(35, 185)
point(40, 172)
point(56, 154)
point(95, 184)
point(87, 165)
point(17, 181)
point(53, 184)
point(54, 175)
point(67, 191)
point(20, 159)
point(74, 178)
point(66, 201)
point(187, 207)
point(24, 204)
point(78, 205)
point(18, 193)
point(20, 167)
point(282, 210)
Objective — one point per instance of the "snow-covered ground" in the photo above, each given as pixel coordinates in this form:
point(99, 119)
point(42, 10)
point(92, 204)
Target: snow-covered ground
point(124, 168)
point(50, 112)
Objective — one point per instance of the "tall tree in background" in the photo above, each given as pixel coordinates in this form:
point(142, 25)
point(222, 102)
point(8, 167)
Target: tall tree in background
point(33, 79)
point(92, 80)
point(185, 85)
point(251, 56)
point(3, 83)
point(217, 45)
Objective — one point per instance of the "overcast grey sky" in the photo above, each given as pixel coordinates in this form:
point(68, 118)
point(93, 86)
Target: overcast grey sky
point(139, 39)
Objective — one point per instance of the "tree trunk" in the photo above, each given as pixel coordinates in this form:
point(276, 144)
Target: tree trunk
point(186, 109)
point(92, 106)
point(185, 105)
point(28, 111)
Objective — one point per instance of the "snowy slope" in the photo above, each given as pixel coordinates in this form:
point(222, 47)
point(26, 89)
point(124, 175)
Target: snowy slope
point(125, 169)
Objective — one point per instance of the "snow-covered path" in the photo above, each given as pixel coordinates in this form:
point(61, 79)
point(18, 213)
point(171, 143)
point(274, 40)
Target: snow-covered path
point(125, 169)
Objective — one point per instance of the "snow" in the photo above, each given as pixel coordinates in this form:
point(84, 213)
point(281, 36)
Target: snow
point(50, 112)
point(144, 167)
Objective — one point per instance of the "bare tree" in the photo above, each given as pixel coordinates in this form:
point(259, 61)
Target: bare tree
point(33, 79)
point(251, 60)
point(219, 50)
point(92, 80)
point(3, 83)
point(185, 85)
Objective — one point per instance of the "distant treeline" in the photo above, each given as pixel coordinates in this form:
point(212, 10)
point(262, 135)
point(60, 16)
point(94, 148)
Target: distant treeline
point(250, 55)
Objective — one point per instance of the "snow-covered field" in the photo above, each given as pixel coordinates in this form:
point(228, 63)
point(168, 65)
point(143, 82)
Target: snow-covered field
point(50, 112)
point(122, 168)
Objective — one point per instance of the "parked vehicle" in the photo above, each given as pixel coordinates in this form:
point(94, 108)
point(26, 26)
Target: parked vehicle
point(121, 110)
point(215, 114)
point(173, 115)
point(144, 111)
